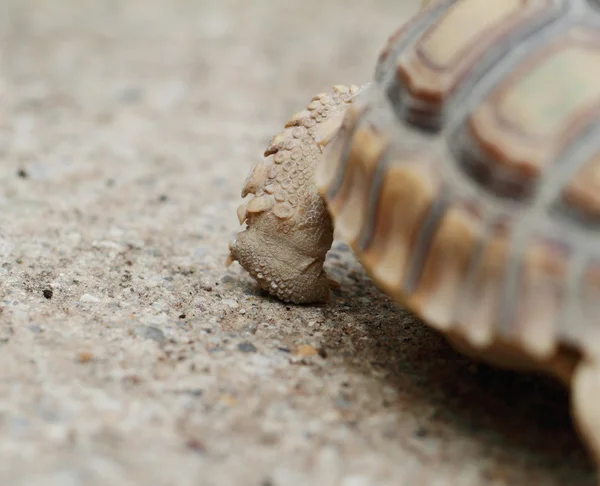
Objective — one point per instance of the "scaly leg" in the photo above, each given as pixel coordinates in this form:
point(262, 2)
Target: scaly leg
point(289, 230)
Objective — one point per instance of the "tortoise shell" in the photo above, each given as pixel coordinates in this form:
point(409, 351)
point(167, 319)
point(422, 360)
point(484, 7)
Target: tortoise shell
point(466, 177)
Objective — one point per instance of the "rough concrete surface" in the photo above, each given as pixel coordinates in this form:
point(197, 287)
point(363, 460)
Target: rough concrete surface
point(129, 354)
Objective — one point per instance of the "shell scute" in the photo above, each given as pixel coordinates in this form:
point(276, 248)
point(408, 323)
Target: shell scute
point(532, 116)
point(469, 33)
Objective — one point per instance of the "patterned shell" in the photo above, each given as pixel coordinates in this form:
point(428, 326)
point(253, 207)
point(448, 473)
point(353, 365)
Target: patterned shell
point(466, 177)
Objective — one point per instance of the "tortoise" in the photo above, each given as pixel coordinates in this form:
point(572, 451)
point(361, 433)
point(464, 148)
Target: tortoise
point(466, 179)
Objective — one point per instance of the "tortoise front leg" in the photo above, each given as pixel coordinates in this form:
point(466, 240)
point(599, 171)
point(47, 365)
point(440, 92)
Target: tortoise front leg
point(289, 230)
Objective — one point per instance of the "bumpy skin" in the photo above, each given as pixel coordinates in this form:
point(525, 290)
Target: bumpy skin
point(289, 230)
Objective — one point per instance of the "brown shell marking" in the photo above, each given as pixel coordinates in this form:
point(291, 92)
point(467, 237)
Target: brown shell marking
point(533, 114)
point(582, 193)
point(480, 303)
point(446, 265)
point(460, 284)
point(350, 204)
point(541, 296)
point(463, 280)
point(427, 6)
point(408, 190)
point(434, 67)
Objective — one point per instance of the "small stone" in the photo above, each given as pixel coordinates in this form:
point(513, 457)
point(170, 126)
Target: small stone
point(48, 293)
point(195, 445)
point(89, 298)
point(342, 401)
point(193, 392)
point(132, 379)
point(34, 328)
point(150, 332)
point(230, 303)
point(182, 316)
point(85, 357)
point(251, 328)
point(305, 350)
point(228, 400)
point(247, 347)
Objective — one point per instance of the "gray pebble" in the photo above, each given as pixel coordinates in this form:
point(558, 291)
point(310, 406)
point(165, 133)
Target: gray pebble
point(247, 347)
point(34, 328)
point(150, 332)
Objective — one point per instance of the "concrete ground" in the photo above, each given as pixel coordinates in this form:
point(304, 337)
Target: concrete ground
point(129, 354)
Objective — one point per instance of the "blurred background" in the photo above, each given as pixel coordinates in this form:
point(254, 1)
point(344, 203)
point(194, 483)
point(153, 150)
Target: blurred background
point(130, 355)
